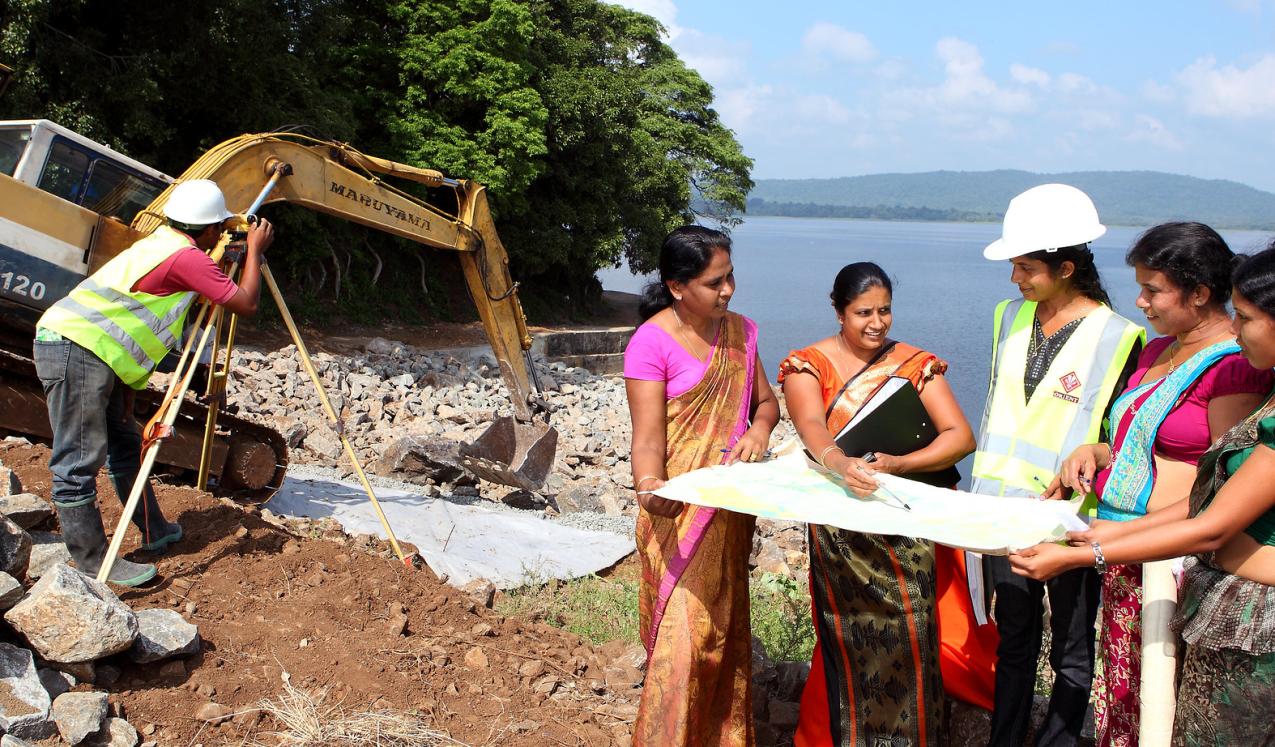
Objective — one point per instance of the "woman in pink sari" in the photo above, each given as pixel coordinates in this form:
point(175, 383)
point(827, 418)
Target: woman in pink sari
point(697, 396)
point(1190, 386)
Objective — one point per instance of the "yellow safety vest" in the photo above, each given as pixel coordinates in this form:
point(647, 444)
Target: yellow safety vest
point(1022, 443)
point(129, 330)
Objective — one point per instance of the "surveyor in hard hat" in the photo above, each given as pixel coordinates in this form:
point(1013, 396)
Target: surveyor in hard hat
point(1059, 356)
point(101, 342)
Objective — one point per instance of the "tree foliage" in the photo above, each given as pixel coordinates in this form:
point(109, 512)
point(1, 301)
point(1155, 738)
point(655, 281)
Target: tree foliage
point(592, 137)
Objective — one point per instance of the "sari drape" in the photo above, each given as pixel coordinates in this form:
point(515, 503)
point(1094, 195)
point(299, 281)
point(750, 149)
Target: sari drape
point(693, 601)
point(876, 675)
point(1136, 415)
point(1227, 684)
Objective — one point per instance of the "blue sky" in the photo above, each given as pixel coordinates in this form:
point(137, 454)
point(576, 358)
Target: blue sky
point(823, 88)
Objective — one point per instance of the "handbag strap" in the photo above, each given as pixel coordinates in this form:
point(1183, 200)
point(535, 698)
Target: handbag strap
point(885, 350)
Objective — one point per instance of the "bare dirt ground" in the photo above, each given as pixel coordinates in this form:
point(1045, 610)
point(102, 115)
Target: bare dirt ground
point(337, 617)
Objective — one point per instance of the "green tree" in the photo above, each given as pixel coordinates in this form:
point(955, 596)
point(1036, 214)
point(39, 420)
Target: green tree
point(593, 138)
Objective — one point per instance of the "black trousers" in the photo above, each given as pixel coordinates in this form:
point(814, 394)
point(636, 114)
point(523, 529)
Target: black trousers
point(1073, 604)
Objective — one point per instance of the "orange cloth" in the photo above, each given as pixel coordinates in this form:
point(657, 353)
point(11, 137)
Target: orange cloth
point(698, 687)
point(967, 651)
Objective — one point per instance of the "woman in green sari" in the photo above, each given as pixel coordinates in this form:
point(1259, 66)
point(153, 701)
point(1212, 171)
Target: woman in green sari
point(1226, 610)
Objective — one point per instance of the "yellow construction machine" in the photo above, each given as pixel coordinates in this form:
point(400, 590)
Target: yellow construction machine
point(69, 204)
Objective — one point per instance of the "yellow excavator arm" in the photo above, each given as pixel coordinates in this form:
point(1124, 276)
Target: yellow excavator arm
point(336, 179)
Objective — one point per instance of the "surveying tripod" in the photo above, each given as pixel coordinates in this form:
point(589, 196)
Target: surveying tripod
point(160, 426)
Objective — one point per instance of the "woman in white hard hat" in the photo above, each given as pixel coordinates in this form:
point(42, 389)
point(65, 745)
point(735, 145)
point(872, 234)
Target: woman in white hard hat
point(101, 342)
point(1059, 356)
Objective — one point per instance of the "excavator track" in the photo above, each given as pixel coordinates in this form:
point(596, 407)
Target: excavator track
point(248, 459)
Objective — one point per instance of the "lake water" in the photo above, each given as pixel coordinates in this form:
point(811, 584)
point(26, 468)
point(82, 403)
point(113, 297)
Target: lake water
point(944, 291)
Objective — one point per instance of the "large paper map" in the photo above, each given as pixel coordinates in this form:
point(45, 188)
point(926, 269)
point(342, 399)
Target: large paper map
point(786, 487)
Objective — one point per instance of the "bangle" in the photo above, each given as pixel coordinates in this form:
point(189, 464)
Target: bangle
point(1099, 562)
point(827, 449)
point(638, 485)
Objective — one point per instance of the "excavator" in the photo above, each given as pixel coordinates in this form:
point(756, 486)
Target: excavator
point(68, 204)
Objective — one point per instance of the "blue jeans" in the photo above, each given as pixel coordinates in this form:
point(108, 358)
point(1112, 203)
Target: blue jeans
point(90, 411)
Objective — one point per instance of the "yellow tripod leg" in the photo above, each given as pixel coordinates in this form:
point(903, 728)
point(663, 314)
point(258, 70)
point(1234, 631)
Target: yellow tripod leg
point(333, 417)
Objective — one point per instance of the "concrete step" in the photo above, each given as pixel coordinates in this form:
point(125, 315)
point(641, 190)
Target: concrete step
point(582, 341)
point(602, 364)
point(598, 350)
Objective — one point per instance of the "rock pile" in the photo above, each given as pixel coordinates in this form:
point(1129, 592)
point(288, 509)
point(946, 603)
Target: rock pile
point(67, 626)
point(407, 410)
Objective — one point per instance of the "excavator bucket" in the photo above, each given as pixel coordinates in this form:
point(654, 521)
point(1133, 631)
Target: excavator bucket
point(512, 453)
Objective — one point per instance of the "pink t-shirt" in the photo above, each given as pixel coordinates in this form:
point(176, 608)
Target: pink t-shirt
point(188, 270)
point(653, 355)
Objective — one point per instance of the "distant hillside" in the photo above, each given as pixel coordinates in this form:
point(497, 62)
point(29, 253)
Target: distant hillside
point(1132, 198)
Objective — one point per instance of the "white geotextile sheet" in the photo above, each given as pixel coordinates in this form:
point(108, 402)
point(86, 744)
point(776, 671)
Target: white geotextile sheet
point(508, 548)
point(786, 487)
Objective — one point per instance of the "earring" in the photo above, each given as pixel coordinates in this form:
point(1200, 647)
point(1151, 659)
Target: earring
point(677, 298)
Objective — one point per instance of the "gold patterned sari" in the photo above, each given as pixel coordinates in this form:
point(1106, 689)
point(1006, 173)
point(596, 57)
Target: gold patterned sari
point(693, 601)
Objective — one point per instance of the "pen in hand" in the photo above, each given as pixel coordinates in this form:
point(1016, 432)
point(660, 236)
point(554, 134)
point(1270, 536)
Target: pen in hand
point(888, 493)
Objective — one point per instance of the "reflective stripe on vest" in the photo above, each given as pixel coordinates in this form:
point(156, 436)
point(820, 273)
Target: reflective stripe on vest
point(1022, 443)
point(129, 330)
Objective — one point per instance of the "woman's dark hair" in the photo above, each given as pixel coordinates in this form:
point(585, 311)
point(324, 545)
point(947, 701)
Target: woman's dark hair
point(685, 254)
point(1254, 279)
point(1190, 254)
point(1084, 278)
point(856, 278)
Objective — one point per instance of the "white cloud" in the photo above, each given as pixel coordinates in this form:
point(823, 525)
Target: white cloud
point(828, 41)
point(1150, 130)
point(1229, 91)
point(820, 109)
point(966, 85)
point(1158, 92)
point(664, 11)
point(1097, 119)
point(1029, 75)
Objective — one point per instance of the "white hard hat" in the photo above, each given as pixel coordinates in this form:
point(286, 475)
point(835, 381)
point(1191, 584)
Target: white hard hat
point(198, 202)
point(1047, 217)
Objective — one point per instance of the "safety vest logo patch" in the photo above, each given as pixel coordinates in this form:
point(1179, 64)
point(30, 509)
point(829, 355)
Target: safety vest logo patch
point(1070, 382)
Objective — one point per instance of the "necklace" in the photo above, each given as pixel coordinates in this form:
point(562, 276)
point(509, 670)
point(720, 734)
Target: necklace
point(681, 328)
point(1172, 365)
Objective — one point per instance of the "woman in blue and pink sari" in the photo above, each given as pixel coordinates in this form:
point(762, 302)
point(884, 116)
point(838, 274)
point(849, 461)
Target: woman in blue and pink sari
point(1190, 386)
point(697, 396)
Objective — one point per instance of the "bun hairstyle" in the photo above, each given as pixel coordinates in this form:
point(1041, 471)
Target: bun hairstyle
point(1190, 255)
point(1084, 278)
point(685, 254)
point(855, 279)
point(1254, 279)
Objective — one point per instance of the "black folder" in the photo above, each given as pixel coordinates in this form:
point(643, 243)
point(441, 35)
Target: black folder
point(895, 422)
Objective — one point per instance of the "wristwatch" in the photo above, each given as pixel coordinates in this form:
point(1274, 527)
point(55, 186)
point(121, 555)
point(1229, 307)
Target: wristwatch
point(1099, 562)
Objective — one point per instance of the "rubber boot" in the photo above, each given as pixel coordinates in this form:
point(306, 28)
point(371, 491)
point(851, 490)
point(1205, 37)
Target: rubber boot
point(86, 541)
point(157, 532)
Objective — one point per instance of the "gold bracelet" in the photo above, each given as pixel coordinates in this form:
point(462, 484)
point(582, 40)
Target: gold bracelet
point(829, 448)
point(638, 485)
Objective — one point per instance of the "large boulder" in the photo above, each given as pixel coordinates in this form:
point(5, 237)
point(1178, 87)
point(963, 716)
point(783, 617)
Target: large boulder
point(15, 548)
point(69, 617)
point(116, 732)
point(10, 591)
point(163, 634)
point(47, 550)
point(55, 682)
point(9, 482)
point(78, 715)
point(24, 709)
point(419, 459)
point(25, 509)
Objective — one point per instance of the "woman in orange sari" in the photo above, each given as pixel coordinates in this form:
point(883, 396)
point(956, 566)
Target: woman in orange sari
point(875, 677)
point(697, 397)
